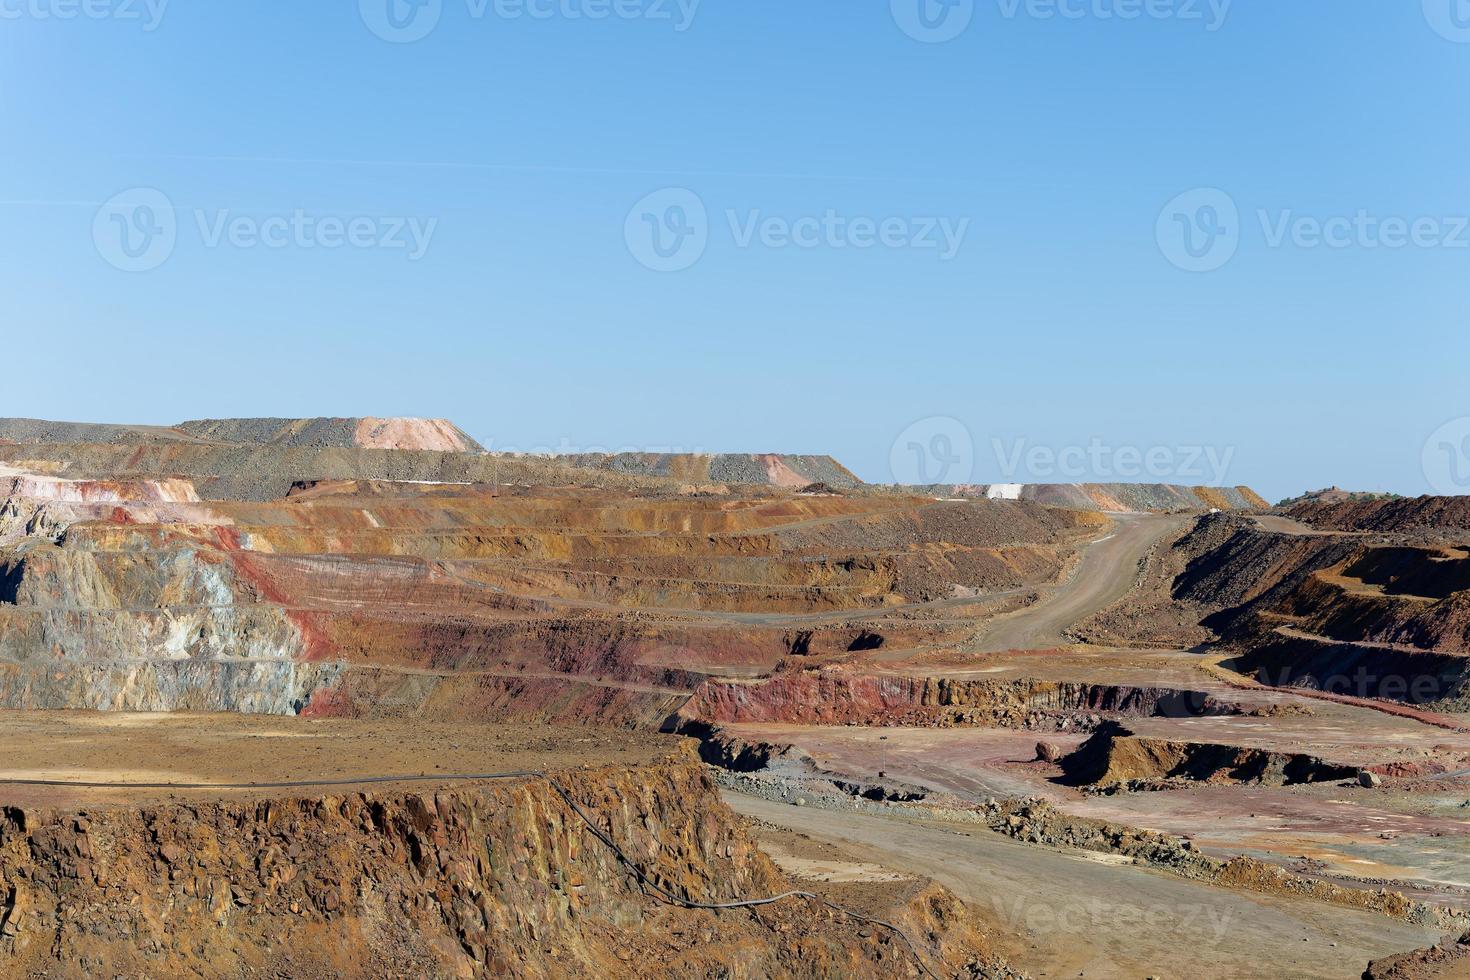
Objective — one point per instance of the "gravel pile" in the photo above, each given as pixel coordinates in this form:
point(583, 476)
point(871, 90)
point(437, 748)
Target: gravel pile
point(1157, 497)
point(36, 431)
point(743, 468)
point(268, 472)
point(314, 433)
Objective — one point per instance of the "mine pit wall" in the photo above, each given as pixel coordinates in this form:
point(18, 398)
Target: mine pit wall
point(1324, 607)
point(1360, 670)
point(102, 612)
point(253, 687)
point(1345, 614)
point(366, 692)
point(1238, 567)
point(175, 630)
point(835, 698)
point(1114, 754)
point(1432, 572)
point(473, 879)
point(1447, 517)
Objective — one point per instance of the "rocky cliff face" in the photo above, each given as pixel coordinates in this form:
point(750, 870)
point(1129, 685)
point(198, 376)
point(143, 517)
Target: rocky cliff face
point(466, 880)
point(1116, 755)
point(1357, 612)
point(843, 696)
point(1449, 516)
point(371, 598)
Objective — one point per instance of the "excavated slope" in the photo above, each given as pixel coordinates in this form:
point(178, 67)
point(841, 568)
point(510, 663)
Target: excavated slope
point(846, 697)
point(1114, 754)
point(1433, 515)
point(350, 598)
point(462, 879)
point(1369, 614)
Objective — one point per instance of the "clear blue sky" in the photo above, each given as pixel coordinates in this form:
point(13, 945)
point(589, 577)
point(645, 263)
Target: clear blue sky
point(522, 143)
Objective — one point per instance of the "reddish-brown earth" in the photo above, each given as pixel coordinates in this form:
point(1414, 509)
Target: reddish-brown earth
point(434, 874)
point(371, 593)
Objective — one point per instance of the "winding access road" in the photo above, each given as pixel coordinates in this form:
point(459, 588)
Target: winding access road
point(1109, 567)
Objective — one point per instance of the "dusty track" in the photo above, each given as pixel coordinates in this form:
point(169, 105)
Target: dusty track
point(1106, 572)
point(1079, 915)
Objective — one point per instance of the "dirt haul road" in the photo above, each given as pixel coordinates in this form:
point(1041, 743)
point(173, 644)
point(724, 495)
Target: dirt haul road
point(1070, 913)
point(1108, 569)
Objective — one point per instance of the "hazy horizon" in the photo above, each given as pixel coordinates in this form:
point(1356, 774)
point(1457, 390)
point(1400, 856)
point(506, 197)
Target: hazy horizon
point(1209, 464)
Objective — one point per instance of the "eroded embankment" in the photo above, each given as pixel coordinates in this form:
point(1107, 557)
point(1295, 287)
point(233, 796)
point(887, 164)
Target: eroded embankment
point(468, 879)
point(1364, 614)
point(1115, 755)
point(1447, 959)
point(839, 696)
point(381, 599)
point(1426, 515)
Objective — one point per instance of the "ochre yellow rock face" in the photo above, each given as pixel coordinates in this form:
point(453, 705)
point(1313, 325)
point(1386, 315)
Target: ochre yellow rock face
point(389, 597)
point(469, 879)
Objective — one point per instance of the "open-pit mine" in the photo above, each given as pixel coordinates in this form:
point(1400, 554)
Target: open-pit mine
point(358, 698)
